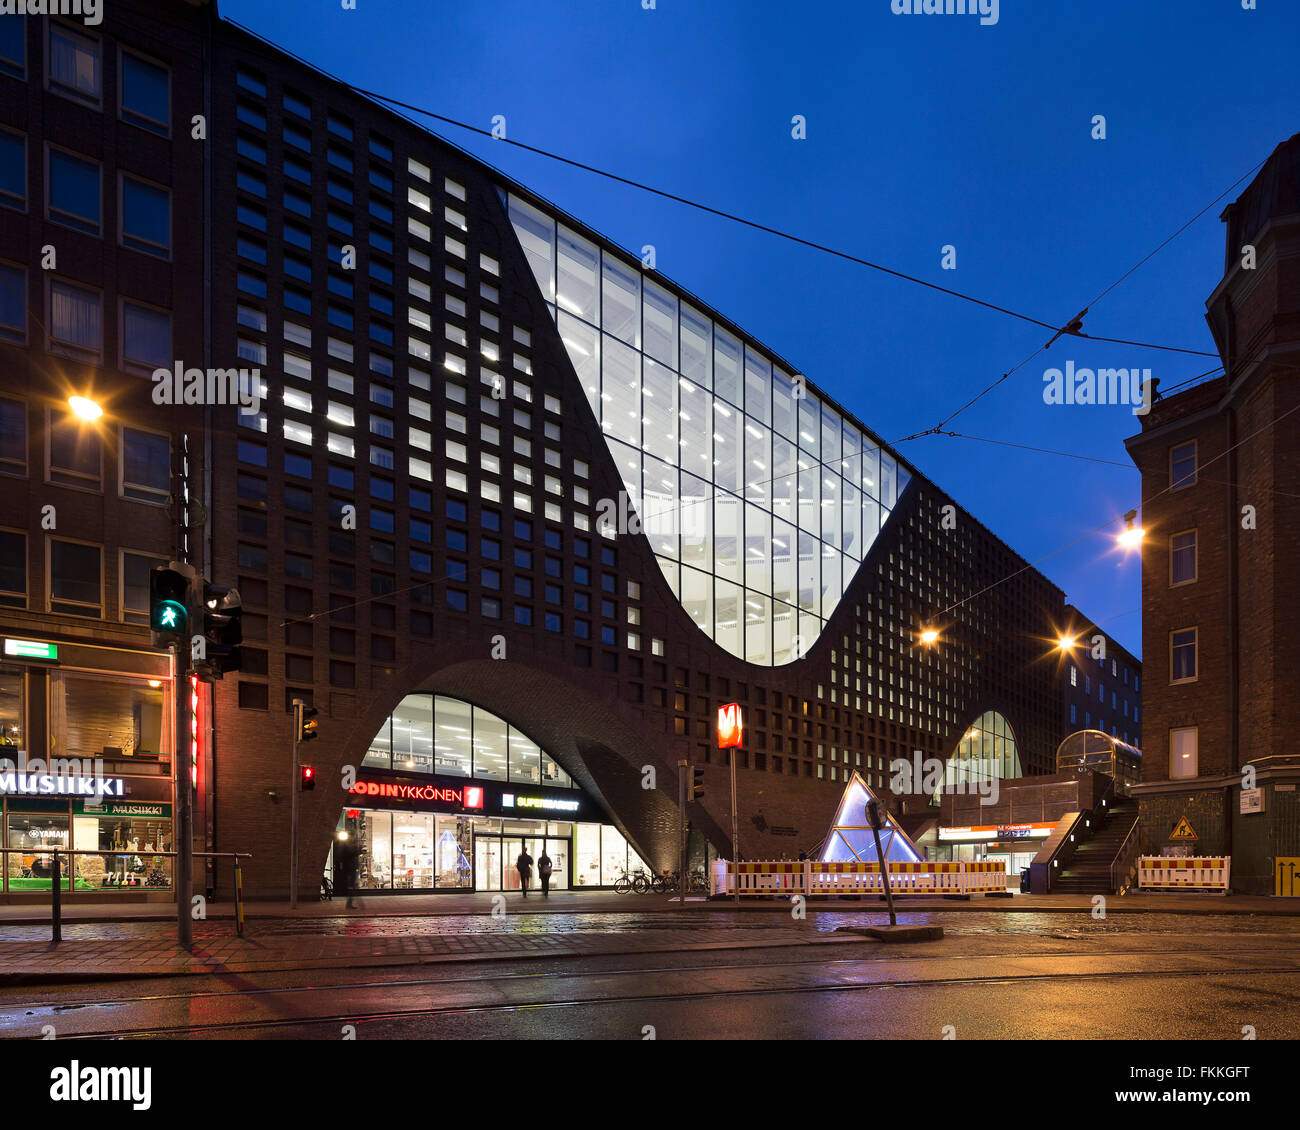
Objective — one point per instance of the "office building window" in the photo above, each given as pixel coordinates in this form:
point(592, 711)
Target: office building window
point(146, 465)
point(76, 578)
point(1182, 655)
point(1182, 558)
point(13, 303)
point(13, 568)
point(146, 217)
point(74, 453)
point(13, 165)
point(146, 337)
point(1183, 752)
point(74, 191)
point(134, 607)
point(13, 47)
point(13, 436)
point(74, 64)
point(145, 94)
point(1182, 465)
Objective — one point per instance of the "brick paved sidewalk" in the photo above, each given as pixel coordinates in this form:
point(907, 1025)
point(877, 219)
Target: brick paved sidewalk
point(606, 902)
point(29, 962)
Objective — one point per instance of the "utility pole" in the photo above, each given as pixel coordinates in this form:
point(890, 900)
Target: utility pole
point(735, 827)
point(681, 832)
point(298, 705)
point(184, 797)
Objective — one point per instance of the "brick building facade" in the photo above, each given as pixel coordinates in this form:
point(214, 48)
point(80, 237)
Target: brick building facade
point(1220, 467)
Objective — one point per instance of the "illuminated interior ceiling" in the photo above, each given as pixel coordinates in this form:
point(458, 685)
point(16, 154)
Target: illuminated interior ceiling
point(759, 497)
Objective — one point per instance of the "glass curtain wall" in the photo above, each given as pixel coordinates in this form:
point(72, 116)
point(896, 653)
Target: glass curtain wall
point(445, 736)
point(987, 750)
point(759, 498)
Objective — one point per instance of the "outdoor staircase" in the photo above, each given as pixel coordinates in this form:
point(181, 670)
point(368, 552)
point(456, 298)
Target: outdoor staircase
point(1088, 873)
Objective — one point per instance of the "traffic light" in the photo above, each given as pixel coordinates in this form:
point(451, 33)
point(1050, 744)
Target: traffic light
point(697, 783)
point(304, 727)
point(223, 630)
point(307, 774)
point(169, 615)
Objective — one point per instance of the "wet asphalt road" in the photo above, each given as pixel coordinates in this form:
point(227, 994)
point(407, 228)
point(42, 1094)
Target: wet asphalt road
point(994, 975)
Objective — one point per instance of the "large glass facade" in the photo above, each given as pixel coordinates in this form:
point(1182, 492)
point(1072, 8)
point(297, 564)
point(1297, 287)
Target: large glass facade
point(759, 498)
point(987, 751)
point(436, 734)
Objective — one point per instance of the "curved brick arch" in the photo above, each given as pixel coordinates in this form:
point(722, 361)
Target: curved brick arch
point(603, 749)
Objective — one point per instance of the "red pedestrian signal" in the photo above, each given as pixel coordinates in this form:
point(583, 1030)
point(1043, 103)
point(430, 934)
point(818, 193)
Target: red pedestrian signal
point(307, 777)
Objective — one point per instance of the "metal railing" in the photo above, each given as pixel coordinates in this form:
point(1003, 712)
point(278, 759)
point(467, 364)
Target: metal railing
point(1125, 859)
point(58, 883)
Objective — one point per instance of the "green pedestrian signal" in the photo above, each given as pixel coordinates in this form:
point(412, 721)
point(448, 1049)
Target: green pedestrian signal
point(169, 615)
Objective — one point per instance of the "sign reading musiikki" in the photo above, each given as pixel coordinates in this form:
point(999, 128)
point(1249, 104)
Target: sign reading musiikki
point(44, 784)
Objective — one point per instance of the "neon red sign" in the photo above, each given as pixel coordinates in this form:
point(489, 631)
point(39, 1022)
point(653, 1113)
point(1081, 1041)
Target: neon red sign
point(731, 726)
point(471, 796)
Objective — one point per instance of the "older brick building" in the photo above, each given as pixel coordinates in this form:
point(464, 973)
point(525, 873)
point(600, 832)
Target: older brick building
point(1220, 467)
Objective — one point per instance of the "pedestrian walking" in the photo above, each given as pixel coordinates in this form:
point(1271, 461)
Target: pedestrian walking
point(544, 869)
point(524, 865)
point(345, 865)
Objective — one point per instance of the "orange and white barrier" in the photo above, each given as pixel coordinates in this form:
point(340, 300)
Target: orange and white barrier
point(811, 877)
point(1193, 873)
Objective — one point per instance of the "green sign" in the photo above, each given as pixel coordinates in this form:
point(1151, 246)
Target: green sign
point(31, 649)
point(142, 808)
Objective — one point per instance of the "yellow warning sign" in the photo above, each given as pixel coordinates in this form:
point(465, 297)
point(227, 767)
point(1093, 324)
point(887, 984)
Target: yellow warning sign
point(1183, 831)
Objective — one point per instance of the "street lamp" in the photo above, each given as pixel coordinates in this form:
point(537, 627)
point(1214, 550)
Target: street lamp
point(1131, 536)
point(1066, 643)
point(929, 636)
point(85, 408)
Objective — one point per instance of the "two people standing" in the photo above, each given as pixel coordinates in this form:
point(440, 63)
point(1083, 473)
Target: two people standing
point(524, 865)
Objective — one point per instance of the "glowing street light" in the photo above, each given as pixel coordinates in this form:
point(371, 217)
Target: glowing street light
point(1131, 536)
point(1066, 643)
point(84, 408)
point(929, 636)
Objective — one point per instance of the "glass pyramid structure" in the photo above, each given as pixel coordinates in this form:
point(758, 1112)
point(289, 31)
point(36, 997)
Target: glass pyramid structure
point(851, 837)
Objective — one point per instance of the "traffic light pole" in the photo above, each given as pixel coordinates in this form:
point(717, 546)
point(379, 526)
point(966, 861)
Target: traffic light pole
point(293, 810)
point(184, 797)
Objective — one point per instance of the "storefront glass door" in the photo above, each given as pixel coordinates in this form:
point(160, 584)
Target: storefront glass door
point(487, 863)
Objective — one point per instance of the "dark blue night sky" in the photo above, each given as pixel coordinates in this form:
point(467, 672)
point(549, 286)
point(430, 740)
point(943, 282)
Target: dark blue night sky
point(921, 131)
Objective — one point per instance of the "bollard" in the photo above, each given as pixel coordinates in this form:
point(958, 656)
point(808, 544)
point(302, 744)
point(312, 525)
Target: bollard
point(56, 899)
point(239, 899)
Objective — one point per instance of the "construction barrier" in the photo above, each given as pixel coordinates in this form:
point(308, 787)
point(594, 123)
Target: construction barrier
point(811, 877)
point(1193, 873)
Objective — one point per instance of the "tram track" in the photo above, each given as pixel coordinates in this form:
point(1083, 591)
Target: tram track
point(418, 1011)
point(554, 975)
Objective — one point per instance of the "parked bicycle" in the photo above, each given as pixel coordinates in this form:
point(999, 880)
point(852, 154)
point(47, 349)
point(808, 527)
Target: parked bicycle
point(631, 881)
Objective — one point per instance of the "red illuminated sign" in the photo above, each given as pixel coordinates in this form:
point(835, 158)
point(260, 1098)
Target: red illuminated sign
point(731, 728)
point(194, 731)
point(470, 796)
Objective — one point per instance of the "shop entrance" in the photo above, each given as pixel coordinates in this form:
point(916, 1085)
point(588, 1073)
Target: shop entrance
point(494, 860)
